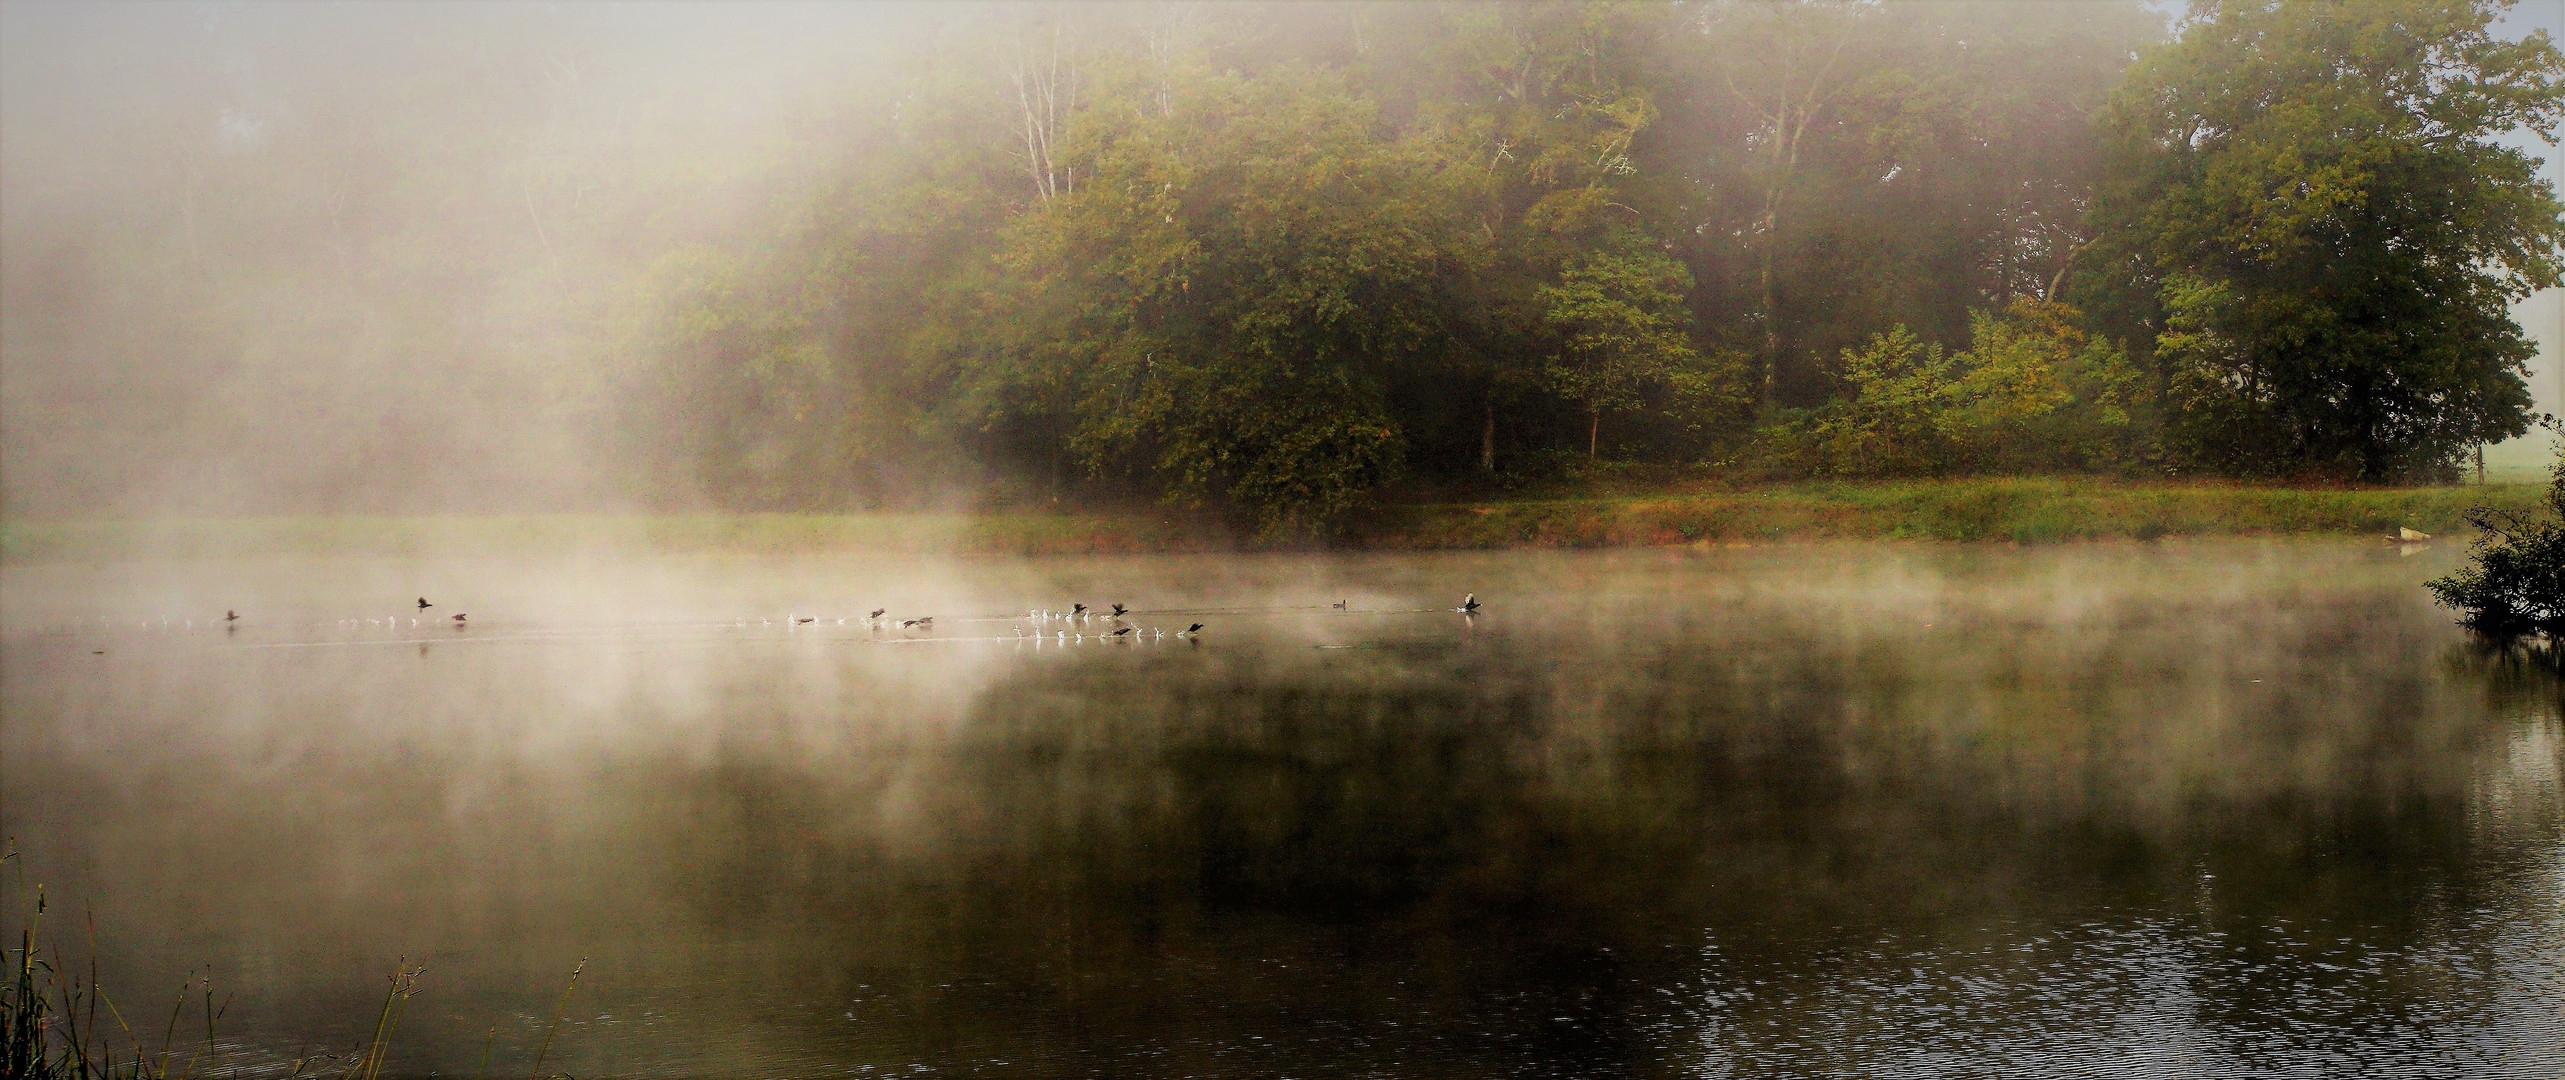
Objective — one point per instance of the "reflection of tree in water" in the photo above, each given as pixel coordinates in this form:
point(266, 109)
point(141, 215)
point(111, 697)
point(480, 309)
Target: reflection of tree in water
point(1158, 861)
point(1513, 852)
point(2523, 677)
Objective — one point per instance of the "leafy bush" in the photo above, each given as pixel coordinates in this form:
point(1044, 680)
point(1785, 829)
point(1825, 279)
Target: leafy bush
point(2033, 393)
point(2517, 583)
point(1896, 422)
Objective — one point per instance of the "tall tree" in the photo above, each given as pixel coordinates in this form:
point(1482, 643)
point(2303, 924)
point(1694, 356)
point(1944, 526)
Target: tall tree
point(1619, 318)
point(2309, 201)
point(1786, 68)
point(1530, 113)
point(1229, 291)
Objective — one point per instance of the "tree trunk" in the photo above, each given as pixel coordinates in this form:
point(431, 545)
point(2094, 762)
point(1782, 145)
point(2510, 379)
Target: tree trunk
point(1793, 105)
point(1487, 437)
point(1593, 433)
point(1046, 93)
point(1770, 303)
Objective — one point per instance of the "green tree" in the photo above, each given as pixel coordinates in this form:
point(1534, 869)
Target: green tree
point(1897, 419)
point(1529, 115)
point(2037, 393)
point(1230, 289)
point(2308, 202)
point(2032, 393)
point(1838, 168)
point(1618, 317)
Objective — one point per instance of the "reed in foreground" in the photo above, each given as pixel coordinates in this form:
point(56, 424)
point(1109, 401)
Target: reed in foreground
point(56, 1024)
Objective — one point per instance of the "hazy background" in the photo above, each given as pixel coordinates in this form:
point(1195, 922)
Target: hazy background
point(2543, 314)
point(266, 257)
point(384, 257)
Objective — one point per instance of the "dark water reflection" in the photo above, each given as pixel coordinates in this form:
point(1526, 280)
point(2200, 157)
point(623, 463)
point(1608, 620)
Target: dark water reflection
point(2248, 809)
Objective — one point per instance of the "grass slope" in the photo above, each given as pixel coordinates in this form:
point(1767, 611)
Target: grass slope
point(2014, 510)
point(2017, 510)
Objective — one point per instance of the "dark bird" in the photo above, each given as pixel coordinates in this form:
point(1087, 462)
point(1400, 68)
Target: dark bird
point(1077, 610)
point(1470, 602)
point(1118, 611)
point(877, 613)
point(1340, 605)
point(1195, 628)
point(231, 616)
point(1124, 630)
point(927, 623)
point(460, 618)
point(807, 618)
point(423, 604)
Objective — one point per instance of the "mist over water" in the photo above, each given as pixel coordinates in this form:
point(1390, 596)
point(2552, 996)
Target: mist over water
point(2208, 809)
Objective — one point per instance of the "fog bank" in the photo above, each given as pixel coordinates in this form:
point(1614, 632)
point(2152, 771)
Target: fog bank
point(299, 257)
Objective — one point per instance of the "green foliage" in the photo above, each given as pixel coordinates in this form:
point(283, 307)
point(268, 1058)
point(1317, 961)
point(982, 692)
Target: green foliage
point(2309, 201)
point(2032, 393)
point(2515, 584)
point(1618, 320)
point(1161, 254)
point(1240, 278)
point(1898, 420)
point(2040, 394)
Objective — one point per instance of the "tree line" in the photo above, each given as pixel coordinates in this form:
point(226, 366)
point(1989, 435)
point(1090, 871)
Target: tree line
point(1276, 260)
point(1280, 260)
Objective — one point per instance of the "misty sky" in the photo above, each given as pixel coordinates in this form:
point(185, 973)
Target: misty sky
point(362, 256)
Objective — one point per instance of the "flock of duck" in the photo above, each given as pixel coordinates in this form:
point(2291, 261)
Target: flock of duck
point(1073, 624)
point(1062, 626)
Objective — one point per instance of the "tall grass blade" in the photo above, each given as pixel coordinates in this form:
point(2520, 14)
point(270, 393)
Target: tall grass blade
point(557, 1010)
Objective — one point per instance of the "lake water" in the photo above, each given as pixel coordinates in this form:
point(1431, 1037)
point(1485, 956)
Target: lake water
point(2180, 809)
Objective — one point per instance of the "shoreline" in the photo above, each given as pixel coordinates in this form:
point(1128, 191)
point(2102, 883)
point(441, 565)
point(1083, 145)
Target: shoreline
point(2002, 511)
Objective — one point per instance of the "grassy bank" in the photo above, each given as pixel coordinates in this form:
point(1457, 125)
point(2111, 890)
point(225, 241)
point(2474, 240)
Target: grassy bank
point(2012, 510)
point(2008, 510)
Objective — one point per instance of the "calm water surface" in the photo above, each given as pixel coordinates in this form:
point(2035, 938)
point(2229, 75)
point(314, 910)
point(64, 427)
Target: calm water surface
point(2233, 809)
